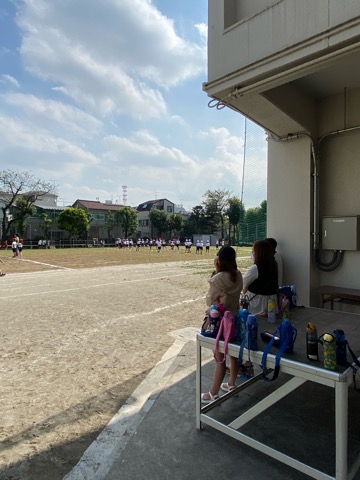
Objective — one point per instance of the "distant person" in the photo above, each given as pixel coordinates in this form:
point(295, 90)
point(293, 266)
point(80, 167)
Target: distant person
point(14, 247)
point(207, 246)
point(278, 259)
point(217, 244)
point(159, 244)
point(261, 279)
point(20, 247)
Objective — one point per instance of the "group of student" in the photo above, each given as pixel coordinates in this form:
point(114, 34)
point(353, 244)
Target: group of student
point(226, 284)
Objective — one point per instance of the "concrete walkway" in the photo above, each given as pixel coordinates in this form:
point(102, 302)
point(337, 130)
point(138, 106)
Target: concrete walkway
point(154, 435)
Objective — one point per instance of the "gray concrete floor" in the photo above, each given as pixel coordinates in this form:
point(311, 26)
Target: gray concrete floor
point(166, 444)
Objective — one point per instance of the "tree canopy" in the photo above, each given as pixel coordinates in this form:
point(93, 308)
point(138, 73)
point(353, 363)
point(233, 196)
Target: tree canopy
point(19, 190)
point(74, 220)
point(159, 219)
point(216, 204)
point(128, 220)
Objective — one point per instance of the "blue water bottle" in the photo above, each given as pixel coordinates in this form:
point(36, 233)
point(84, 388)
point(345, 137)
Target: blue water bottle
point(251, 333)
point(243, 316)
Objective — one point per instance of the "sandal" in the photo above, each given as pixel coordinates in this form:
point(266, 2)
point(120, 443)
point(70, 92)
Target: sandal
point(210, 399)
point(225, 387)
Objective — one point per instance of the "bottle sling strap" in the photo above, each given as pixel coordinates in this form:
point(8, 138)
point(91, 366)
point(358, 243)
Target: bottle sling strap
point(283, 346)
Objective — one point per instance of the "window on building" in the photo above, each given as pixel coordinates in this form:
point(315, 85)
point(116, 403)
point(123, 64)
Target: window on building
point(169, 209)
point(237, 10)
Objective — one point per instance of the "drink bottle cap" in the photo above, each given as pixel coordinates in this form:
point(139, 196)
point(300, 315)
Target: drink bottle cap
point(328, 337)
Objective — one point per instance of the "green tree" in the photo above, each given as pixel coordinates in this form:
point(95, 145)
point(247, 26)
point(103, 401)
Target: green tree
point(45, 224)
point(110, 222)
point(16, 185)
point(74, 220)
point(176, 223)
point(235, 213)
point(216, 204)
point(255, 223)
point(159, 219)
point(22, 211)
point(128, 220)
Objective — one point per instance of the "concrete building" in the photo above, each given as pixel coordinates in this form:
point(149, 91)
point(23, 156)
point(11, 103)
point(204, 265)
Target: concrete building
point(293, 67)
point(146, 230)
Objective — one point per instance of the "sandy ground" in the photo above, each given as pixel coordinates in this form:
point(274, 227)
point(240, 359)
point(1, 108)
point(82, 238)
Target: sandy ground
point(75, 343)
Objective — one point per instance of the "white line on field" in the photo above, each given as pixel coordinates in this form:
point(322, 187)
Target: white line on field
point(42, 263)
point(60, 290)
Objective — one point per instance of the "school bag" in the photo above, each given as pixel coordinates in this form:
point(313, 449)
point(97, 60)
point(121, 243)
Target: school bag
point(226, 332)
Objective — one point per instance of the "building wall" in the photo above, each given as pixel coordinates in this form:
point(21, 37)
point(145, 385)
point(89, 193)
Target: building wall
point(289, 210)
point(296, 27)
point(290, 205)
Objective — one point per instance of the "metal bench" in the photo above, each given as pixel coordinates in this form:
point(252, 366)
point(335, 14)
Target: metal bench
point(330, 293)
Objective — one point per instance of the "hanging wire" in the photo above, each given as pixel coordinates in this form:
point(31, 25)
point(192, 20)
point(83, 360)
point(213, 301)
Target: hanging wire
point(218, 104)
point(244, 158)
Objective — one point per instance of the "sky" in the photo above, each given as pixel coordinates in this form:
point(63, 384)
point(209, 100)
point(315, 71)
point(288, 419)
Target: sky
point(104, 100)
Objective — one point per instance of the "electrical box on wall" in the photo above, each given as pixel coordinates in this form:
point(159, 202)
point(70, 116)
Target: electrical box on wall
point(340, 233)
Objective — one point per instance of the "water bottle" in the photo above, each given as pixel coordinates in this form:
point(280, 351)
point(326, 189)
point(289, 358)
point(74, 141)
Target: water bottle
point(244, 313)
point(312, 342)
point(251, 333)
point(288, 335)
point(329, 343)
point(271, 309)
point(341, 343)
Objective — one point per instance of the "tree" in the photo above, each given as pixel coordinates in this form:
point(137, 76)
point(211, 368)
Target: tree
point(216, 204)
point(128, 219)
point(22, 211)
point(45, 224)
point(159, 219)
point(197, 218)
point(16, 185)
point(74, 220)
point(176, 222)
point(255, 223)
point(110, 222)
point(235, 214)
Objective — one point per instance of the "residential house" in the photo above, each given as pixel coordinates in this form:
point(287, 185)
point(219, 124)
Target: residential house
point(293, 67)
point(98, 212)
point(146, 230)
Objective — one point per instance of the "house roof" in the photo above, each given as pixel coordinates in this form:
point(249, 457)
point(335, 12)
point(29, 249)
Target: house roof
point(146, 206)
point(96, 205)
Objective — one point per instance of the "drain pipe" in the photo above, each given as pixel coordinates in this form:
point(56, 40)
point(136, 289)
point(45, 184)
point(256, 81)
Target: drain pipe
point(337, 257)
point(337, 254)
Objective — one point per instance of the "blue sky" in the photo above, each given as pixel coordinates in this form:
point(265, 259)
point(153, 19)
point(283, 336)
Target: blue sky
point(95, 95)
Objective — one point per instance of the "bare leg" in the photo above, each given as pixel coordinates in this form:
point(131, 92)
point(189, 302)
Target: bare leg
point(233, 370)
point(219, 373)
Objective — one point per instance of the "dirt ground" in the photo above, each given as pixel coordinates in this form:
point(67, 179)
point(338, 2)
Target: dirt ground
point(77, 341)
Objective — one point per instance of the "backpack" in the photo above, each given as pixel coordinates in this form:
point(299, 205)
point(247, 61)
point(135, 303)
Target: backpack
point(211, 324)
point(226, 331)
point(290, 293)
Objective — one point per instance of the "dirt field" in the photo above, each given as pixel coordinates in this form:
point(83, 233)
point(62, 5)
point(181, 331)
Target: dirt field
point(76, 342)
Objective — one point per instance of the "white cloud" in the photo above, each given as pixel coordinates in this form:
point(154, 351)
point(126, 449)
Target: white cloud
point(11, 80)
point(53, 114)
point(203, 30)
point(115, 61)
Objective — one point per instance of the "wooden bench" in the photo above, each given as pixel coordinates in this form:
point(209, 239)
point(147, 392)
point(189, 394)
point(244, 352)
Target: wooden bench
point(331, 293)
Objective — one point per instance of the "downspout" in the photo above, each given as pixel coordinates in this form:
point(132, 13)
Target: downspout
point(338, 254)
